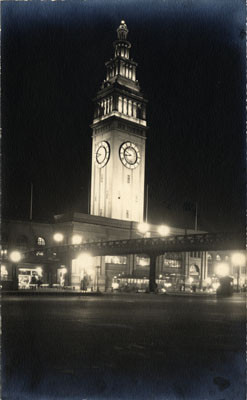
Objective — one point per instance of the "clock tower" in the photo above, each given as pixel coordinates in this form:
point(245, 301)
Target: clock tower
point(119, 136)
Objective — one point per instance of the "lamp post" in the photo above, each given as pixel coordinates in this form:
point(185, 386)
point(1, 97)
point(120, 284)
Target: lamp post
point(97, 277)
point(238, 260)
point(15, 257)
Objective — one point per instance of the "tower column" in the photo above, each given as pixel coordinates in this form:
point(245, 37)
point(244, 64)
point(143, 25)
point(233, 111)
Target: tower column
point(130, 107)
point(134, 73)
point(125, 106)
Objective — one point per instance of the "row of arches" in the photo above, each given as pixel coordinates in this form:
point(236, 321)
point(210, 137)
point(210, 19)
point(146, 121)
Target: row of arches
point(124, 105)
point(121, 68)
point(122, 51)
point(131, 108)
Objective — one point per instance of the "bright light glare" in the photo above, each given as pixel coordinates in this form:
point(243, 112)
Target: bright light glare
point(84, 260)
point(208, 280)
point(191, 279)
point(163, 230)
point(15, 256)
point(215, 285)
point(4, 270)
point(143, 227)
point(115, 285)
point(39, 271)
point(76, 239)
point(222, 269)
point(238, 259)
point(64, 270)
point(58, 237)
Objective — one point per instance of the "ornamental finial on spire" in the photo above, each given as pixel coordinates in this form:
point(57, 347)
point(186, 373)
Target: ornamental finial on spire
point(122, 31)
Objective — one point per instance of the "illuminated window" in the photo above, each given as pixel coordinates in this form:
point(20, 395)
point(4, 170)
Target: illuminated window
point(4, 272)
point(142, 261)
point(169, 263)
point(218, 258)
point(115, 260)
point(40, 241)
point(209, 257)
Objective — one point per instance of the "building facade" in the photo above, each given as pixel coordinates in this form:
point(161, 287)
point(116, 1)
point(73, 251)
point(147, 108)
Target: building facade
point(24, 236)
point(117, 204)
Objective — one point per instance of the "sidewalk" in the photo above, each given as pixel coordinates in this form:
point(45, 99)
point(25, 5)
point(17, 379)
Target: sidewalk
point(190, 294)
point(48, 292)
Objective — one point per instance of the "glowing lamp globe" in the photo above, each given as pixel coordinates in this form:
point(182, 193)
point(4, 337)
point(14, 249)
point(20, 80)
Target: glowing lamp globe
point(143, 227)
point(58, 237)
point(76, 239)
point(163, 230)
point(15, 256)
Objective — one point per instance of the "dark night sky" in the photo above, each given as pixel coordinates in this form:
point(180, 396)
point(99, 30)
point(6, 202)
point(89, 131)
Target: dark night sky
point(191, 57)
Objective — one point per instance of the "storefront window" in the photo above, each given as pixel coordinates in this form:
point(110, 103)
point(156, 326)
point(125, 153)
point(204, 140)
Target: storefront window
point(172, 263)
point(116, 260)
point(4, 272)
point(142, 261)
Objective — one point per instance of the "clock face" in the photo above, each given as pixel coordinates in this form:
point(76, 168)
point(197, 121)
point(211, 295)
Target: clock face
point(102, 154)
point(129, 155)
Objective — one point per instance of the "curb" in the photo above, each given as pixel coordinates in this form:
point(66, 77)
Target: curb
point(46, 293)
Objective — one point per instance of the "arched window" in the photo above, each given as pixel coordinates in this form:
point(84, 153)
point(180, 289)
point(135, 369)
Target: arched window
point(209, 257)
point(40, 241)
point(218, 258)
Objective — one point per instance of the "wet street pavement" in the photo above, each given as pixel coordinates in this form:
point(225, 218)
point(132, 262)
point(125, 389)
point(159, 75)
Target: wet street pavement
point(129, 346)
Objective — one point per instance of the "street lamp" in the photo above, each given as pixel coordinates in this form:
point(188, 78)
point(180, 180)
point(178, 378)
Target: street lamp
point(58, 237)
point(97, 277)
point(222, 269)
point(163, 230)
point(238, 260)
point(15, 257)
point(143, 228)
point(76, 239)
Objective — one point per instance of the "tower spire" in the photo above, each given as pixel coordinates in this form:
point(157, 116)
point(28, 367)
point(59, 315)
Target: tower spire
point(122, 45)
point(119, 135)
point(122, 31)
